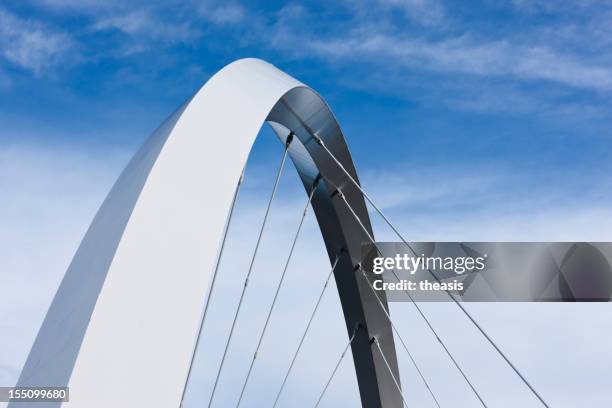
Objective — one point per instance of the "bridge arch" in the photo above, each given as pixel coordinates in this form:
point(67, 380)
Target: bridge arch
point(125, 317)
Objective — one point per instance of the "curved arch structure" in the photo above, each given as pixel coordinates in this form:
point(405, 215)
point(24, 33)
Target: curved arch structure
point(121, 329)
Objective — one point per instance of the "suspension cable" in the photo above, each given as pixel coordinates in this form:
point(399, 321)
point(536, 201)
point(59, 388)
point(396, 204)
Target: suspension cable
point(320, 142)
point(384, 309)
point(278, 288)
point(248, 275)
point(341, 195)
point(312, 315)
point(331, 377)
point(212, 284)
point(399, 389)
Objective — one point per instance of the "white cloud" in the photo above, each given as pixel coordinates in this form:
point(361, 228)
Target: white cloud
point(541, 69)
point(466, 55)
point(224, 14)
point(78, 4)
point(31, 45)
point(491, 202)
point(535, 6)
point(426, 12)
point(144, 25)
point(51, 194)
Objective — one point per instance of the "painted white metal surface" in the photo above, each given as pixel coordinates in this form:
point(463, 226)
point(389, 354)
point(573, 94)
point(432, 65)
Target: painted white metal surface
point(155, 286)
point(153, 292)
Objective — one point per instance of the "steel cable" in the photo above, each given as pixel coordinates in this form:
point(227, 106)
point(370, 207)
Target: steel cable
point(212, 285)
point(339, 193)
point(320, 142)
point(278, 288)
point(331, 377)
point(312, 315)
point(246, 281)
point(384, 309)
point(399, 389)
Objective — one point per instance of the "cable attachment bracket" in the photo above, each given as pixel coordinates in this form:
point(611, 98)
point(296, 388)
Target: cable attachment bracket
point(358, 326)
point(338, 192)
point(289, 139)
point(317, 181)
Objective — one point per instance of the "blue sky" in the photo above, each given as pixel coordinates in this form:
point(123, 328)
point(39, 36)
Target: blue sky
point(483, 122)
point(494, 76)
point(518, 90)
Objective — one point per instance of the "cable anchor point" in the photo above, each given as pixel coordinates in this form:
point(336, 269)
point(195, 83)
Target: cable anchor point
point(289, 139)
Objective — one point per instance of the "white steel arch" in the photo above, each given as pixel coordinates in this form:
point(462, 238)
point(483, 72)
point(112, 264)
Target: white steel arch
point(121, 329)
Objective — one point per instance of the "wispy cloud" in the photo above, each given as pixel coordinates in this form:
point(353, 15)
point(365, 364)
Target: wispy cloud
point(466, 55)
point(489, 202)
point(535, 6)
point(32, 45)
point(386, 42)
point(144, 26)
point(554, 68)
point(39, 240)
point(34, 264)
point(426, 12)
point(78, 4)
point(223, 14)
